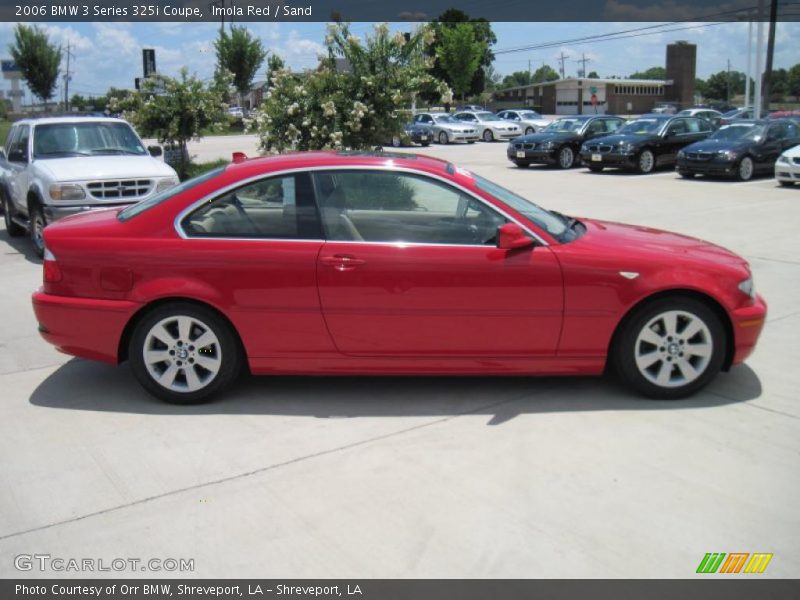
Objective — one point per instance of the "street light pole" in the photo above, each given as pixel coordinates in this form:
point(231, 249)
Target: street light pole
point(749, 64)
point(759, 54)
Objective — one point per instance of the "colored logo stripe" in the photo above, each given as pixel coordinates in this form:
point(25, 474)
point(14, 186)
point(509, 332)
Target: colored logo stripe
point(711, 562)
point(734, 562)
point(758, 563)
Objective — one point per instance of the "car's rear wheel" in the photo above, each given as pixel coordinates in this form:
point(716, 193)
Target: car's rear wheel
point(37, 225)
point(184, 354)
point(646, 162)
point(13, 229)
point(443, 139)
point(744, 172)
point(488, 136)
point(566, 157)
point(670, 348)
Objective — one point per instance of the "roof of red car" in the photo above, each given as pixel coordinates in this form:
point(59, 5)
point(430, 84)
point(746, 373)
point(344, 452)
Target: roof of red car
point(265, 164)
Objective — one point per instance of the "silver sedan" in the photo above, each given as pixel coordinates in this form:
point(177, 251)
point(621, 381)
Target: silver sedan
point(529, 121)
point(490, 127)
point(446, 129)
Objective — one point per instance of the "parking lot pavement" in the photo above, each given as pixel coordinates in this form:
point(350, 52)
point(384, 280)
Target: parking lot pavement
point(423, 477)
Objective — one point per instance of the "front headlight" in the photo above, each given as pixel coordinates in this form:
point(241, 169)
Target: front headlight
point(547, 146)
point(625, 147)
point(727, 154)
point(165, 184)
point(784, 160)
point(747, 287)
point(67, 191)
point(681, 154)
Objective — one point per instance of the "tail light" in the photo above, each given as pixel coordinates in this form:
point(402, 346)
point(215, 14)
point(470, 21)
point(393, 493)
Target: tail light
point(52, 274)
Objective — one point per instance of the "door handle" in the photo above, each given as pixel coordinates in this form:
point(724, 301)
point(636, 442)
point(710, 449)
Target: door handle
point(342, 262)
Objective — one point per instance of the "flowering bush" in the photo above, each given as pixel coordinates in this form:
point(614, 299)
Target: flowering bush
point(354, 100)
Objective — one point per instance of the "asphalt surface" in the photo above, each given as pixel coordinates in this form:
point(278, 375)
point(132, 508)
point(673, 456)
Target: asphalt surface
point(421, 477)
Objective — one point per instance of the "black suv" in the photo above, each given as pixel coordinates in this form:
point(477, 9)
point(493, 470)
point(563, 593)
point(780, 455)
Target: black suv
point(559, 143)
point(645, 143)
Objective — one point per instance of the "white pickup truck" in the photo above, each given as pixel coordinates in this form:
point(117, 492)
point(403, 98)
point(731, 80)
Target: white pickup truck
point(51, 167)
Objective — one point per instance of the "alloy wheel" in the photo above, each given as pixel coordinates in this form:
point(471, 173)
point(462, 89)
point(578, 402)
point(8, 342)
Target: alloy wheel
point(443, 138)
point(488, 136)
point(746, 168)
point(646, 161)
point(673, 349)
point(566, 158)
point(182, 354)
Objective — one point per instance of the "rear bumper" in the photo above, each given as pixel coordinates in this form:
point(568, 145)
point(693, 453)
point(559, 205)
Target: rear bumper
point(748, 322)
point(85, 327)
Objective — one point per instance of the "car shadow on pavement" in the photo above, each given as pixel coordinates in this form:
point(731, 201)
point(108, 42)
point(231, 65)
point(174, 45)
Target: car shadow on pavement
point(18, 245)
point(89, 386)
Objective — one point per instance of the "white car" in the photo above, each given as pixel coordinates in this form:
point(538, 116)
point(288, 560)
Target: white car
point(529, 121)
point(490, 127)
point(787, 167)
point(237, 112)
point(52, 167)
point(446, 129)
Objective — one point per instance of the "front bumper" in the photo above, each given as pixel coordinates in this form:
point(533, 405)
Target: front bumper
point(462, 137)
point(506, 135)
point(421, 138)
point(609, 159)
point(53, 212)
point(787, 172)
point(707, 167)
point(532, 156)
point(86, 327)
point(748, 322)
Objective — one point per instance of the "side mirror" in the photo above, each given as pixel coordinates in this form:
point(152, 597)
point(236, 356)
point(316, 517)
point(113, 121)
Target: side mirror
point(17, 156)
point(155, 151)
point(511, 236)
point(2, 153)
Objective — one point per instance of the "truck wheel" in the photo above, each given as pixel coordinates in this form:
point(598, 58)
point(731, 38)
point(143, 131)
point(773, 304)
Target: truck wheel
point(13, 229)
point(37, 225)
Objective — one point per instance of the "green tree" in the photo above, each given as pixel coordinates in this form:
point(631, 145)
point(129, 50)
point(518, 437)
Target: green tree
point(651, 73)
point(459, 55)
point(718, 84)
point(78, 102)
point(544, 73)
point(483, 33)
point(593, 75)
point(492, 78)
point(355, 108)
point(173, 110)
point(37, 59)
point(240, 54)
point(517, 79)
point(793, 80)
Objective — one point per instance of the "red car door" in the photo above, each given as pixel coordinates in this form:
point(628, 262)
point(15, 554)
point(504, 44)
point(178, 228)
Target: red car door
point(410, 267)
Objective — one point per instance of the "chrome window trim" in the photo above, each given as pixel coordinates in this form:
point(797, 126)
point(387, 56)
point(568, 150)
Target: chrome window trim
point(221, 192)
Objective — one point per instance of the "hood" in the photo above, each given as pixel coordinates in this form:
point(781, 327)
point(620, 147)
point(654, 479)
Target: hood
point(82, 168)
point(456, 126)
point(719, 145)
point(538, 138)
point(631, 240)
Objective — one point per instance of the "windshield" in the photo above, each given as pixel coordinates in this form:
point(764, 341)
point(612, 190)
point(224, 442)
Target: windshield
point(529, 114)
point(642, 126)
point(445, 119)
point(732, 113)
point(553, 224)
point(487, 116)
point(740, 131)
point(564, 125)
point(140, 207)
point(92, 138)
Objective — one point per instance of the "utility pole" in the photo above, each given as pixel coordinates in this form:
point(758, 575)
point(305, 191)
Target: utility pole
point(529, 70)
point(749, 64)
point(728, 82)
point(583, 60)
point(67, 77)
point(759, 47)
point(773, 17)
point(561, 59)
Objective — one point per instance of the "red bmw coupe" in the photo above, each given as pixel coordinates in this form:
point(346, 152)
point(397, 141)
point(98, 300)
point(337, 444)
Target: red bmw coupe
point(345, 263)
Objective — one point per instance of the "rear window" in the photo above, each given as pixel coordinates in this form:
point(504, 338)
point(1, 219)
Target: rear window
point(144, 205)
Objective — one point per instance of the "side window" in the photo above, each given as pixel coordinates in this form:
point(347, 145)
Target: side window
point(677, 127)
point(504, 115)
point(694, 125)
point(596, 127)
point(381, 206)
point(274, 208)
point(613, 124)
point(792, 131)
point(10, 138)
point(18, 151)
point(775, 132)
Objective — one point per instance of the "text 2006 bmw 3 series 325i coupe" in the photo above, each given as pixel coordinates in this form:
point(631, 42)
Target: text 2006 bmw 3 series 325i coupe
point(335, 263)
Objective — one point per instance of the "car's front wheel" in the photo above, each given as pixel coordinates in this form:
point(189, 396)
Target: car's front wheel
point(37, 225)
point(443, 139)
point(184, 353)
point(566, 157)
point(646, 162)
point(488, 136)
point(670, 348)
point(745, 170)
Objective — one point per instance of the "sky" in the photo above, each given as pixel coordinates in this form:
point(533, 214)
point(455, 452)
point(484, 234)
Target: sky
point(109, 54)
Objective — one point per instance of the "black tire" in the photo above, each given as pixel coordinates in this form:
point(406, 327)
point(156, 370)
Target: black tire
point(522, 164)
point(443, 138)
point(624, 353)
point(37, 224)
point(228, 353)
point(786, 183)
point(686, 175)
point(595, 168)
point(644, 165)
point(566, 157)
point(529, 131)
point(13, 229)
point(488, 136)
point(425, 144)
